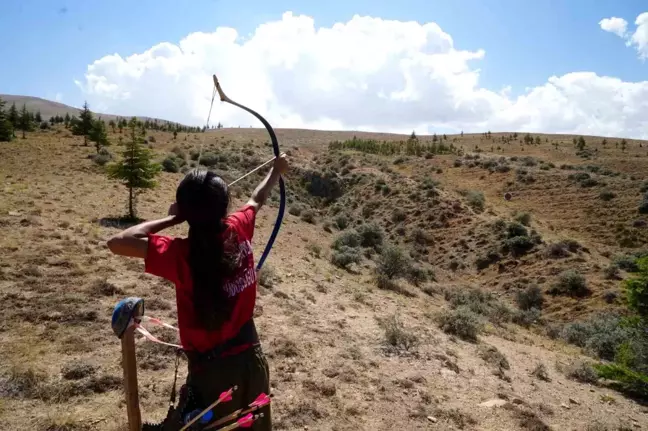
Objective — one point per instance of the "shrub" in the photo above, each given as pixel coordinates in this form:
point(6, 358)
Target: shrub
point(179, 152)
point(518, 245)
point(484, 261)
point(341, 221)
point(492, 356)
point(308, 216)
point(479, 302)
point(101, 159)
point(344, 256)
point(460, 322)
point(170, 165)
point(267, 276)
point(371, 235)
point(612, 272)
point(209, 159)
point(626, 380)
point(523, 218)
point(396, 335)
point(627, 263)
point(393, 263)
point(416, 275)
point(607, 195)
point(526, 318)
point(476, 200)
point(516, 229)
point(295, 210)
point(582, 372)
point(601, 335)
point(570, 283)
point(529, 298)
point(347, 239)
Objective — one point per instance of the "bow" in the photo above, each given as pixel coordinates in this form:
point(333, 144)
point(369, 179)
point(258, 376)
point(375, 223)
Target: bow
point(275, 148)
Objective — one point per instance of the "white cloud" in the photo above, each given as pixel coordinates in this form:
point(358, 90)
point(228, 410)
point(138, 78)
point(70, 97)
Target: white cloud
point(364, 74)
point(640, 37)
point(615, 25)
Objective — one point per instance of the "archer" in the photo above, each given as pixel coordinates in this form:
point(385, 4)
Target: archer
point(216, 287)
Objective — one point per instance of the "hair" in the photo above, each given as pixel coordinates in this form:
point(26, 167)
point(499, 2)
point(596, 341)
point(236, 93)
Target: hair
point(203, 201)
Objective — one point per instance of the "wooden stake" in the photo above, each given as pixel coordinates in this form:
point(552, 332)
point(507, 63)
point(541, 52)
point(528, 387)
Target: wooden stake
point(129, 365)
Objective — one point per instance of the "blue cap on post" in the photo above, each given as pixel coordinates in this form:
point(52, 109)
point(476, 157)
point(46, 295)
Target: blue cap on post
point(125, 310)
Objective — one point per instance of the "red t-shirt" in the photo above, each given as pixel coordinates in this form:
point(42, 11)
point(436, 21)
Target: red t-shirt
point(168, 257)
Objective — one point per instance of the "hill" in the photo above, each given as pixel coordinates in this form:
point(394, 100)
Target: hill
point(49, 108)
point(487, 313)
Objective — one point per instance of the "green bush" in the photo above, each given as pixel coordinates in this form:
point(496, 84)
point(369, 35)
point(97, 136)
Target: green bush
point(529, 298)
point(582, 372)
point(518, 245)
point(344, 256)
point(526, 318)
point(295, 210)
point(476, 200)
point(523, 218)
point(601, 335)
point(417, 276)
point(393, 263)
point(396, 335)
point(371, 235)
point(308, 216)
point(347, 239)
point(626, 380)
point(461, 322)
point(570, 283)
point(341, 221)
point(209, 159)
point(516, 229)
point(170, 164)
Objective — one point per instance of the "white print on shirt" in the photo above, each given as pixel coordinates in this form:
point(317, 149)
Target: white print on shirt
point(247, 278)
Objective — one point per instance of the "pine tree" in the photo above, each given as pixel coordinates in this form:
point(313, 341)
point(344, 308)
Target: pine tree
point(6, 128)
point(52, 120)
point(38, 118)
point(98, 134)
point(580, 143)
point(624, 143)
point(14, 118)
point(25, 121)
point(112, 125)
point(66, 120)
point(84, 126)
point(135, 169)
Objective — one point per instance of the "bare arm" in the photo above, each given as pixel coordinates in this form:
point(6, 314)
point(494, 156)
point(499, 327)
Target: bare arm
point(262, 192)
point(133, 242)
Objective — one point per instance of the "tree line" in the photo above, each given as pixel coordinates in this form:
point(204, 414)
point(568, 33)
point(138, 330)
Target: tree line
point(412, 147)
point(86, 125)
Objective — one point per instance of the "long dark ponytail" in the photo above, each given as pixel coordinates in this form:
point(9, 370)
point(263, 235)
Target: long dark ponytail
point(203, 200)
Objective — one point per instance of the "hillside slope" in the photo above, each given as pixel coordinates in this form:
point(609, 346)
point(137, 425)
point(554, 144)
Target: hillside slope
point(49, 108)
point(346, 351)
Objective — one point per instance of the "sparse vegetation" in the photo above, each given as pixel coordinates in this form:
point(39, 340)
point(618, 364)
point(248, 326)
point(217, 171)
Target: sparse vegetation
point(570, 283)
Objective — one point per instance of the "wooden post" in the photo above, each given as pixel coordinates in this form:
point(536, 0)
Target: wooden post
point(129, 365)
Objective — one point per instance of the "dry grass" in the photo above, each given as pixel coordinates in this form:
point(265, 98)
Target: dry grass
point(326, 330)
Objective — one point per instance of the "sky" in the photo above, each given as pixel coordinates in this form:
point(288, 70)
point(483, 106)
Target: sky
point(554, 66)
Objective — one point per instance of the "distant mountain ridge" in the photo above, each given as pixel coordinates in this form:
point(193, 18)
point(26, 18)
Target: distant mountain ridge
point(49, 108)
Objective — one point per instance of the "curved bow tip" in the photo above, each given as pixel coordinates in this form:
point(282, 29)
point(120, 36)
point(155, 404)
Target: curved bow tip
point(221, 94)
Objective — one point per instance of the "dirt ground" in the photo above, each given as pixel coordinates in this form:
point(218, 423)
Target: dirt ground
point(322, 327)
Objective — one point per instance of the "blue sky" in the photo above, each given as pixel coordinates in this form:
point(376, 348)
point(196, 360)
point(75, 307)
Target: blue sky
point(49, 44)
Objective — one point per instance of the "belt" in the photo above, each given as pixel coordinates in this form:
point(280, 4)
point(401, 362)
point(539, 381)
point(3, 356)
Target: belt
point(246, 335)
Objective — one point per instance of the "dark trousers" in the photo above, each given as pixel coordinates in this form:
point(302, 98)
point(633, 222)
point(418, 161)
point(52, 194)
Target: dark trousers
point(247, 370)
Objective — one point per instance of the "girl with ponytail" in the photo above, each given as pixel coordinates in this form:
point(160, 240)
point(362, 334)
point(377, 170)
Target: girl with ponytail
point(215, 283)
